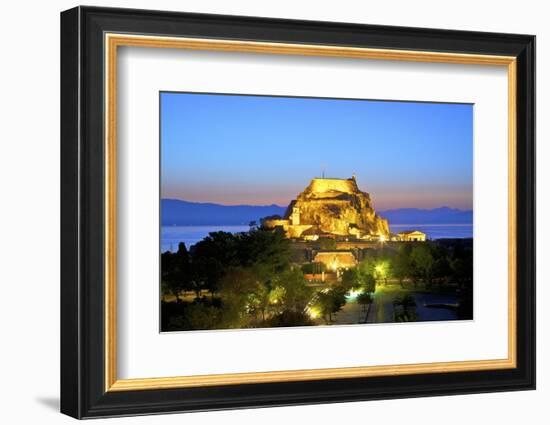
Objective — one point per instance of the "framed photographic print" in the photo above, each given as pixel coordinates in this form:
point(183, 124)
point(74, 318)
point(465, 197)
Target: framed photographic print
point(261, 212)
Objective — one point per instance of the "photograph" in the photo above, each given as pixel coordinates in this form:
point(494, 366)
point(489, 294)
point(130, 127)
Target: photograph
point(284, 211)
point(266, 209)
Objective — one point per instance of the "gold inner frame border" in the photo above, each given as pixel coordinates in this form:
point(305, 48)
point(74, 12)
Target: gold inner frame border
point(112, 41)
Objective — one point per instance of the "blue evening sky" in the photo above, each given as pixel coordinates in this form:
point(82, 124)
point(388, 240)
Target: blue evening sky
point(259, 150)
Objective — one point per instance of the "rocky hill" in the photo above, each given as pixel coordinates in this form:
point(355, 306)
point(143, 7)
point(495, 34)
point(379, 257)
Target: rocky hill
point(331, 206)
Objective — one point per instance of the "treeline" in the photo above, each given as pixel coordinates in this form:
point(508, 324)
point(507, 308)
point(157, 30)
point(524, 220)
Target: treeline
point(430, 263)
point(433, 266)
point(239, 280)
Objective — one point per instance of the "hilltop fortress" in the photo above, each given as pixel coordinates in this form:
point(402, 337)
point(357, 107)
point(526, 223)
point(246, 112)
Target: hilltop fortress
point(334, 208)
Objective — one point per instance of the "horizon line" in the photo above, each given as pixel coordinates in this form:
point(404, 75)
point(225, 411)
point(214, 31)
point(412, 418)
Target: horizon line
point(283, 206)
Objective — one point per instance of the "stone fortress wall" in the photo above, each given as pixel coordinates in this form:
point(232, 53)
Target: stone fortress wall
point(322, 185)
point(335, 209)
point(330, 206)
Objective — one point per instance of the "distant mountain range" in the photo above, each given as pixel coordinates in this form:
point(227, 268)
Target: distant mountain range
point(176, 212)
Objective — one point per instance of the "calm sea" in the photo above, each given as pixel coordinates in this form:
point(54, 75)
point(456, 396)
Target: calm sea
point(437, 231)
point(171, 236)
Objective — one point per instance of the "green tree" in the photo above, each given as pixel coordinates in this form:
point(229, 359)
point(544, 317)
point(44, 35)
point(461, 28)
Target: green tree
point(363, 275)
point(404, 308)
point(210, 258)
point(423, 261)
point(442, 269)
point(197, 316)
point(264, 299)
point(350, 279)
point(369, 283)
point(382, 270)
point(259, 301)
point(265, 251)
point(401, 264)
point(206, 273)
point(236, 291)
point(462, 270)
point(363, 299)
point(275, 302)
point(221, 246)
point(268, 248)
point(295, 293)
point(175, 272)
point(367, 266)
point(202, 317)
point(330, 302)
point(290, 318)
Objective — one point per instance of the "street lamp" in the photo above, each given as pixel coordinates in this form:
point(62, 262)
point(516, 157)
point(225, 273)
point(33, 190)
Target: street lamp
point(380, 270)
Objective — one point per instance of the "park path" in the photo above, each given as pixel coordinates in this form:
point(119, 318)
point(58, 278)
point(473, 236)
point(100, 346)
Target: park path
point(352, 313)
point(381, 310)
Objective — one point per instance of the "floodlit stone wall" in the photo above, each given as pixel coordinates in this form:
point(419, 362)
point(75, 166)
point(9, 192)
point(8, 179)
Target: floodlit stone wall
point(336, 260)
point(334, 207)
point(329, 185)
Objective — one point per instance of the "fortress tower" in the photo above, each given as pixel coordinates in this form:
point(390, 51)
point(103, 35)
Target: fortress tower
point(330, 206)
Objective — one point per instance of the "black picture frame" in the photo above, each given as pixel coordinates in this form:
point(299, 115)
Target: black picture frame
point(83, 392)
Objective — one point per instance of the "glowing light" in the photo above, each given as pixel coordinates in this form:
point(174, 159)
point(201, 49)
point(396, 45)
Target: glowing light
point(276, 295)
point(382, 238)
point(380, 269)
point(313, 313)
point(352, 294)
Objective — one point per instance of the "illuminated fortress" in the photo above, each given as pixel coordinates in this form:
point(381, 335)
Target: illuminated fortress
point(334, 208)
